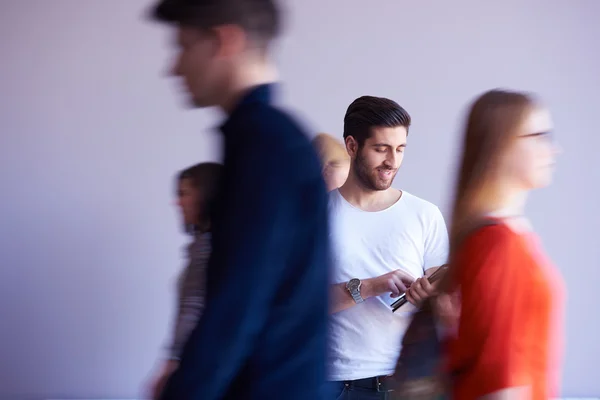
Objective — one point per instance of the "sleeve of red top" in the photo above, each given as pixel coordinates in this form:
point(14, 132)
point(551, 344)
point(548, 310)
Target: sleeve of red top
point(492, 289)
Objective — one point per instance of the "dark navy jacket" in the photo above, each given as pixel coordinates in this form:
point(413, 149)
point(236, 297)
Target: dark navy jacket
point(263, 332)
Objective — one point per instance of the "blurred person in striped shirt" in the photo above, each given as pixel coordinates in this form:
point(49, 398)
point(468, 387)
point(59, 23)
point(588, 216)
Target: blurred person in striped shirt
point(197, 188)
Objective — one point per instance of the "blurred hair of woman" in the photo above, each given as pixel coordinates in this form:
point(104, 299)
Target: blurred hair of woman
point(508, 344)
point(334, 158)
point(197, 189)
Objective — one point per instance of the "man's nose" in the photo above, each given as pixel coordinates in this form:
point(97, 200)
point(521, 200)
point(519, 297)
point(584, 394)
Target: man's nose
point(392, 160)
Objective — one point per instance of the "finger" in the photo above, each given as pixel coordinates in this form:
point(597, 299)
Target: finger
point(409, 297)
point(427, 286)
point(419, 290)
point(400, 286)
point(404, 276)
point(412, 298)
point(416, 296)
point(425, 283)
point(408, 282)
point(393, 288)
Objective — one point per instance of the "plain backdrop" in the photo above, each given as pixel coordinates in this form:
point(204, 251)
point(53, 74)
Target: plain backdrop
point(92, 134)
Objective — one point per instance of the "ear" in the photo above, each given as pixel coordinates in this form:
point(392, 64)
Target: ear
point(231, 40)
point(351, 146)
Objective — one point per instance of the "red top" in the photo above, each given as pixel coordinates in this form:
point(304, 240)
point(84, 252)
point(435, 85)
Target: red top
point(506, 335)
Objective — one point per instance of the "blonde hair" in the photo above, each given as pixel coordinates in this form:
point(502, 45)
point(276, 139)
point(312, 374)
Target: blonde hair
point(330, 150)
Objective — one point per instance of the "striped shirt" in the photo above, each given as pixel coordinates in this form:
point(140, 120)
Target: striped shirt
point(191, 291)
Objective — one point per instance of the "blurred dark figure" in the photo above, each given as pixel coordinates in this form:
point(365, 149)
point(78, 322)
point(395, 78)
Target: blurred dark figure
point(196, 190)
point(263, 331)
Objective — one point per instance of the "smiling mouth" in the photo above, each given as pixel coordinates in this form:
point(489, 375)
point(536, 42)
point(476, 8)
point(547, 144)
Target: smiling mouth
point(386, 173)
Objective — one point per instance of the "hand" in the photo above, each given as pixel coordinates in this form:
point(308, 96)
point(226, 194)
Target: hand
point(420, 290)
point(447, 309)
point(158, 383)
point(394, 282)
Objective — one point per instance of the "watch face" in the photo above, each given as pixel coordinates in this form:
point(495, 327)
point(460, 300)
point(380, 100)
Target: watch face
point(353, 284)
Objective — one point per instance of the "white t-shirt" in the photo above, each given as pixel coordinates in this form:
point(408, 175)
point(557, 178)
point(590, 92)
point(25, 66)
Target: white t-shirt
point(410, 235)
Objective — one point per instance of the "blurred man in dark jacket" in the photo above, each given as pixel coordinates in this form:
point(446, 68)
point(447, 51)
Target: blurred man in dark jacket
point(263, 332)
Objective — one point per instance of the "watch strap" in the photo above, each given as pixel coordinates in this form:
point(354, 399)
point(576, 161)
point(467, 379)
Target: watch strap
point(356, 296)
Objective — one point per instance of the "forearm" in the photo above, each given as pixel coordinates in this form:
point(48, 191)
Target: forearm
point(341, 299)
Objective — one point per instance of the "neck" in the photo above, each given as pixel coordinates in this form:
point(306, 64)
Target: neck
point(366, 199)
point(511, 203)
point(244, 79)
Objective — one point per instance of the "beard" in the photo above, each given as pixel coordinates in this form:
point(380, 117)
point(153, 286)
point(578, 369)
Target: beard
point(369, 178)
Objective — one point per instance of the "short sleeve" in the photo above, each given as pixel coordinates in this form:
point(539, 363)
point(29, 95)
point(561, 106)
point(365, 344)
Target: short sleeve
point(436, 241)
point(492, 334)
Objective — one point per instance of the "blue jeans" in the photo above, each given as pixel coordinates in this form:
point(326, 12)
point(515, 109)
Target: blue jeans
point(349, 391)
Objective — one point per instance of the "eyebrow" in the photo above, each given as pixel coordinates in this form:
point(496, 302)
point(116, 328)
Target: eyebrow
point(387, 145)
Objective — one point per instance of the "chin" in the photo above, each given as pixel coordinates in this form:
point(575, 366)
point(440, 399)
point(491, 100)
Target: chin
point(195, 103)
point(545, 179)
point(539, 183)
point(544, 183)
point(383, 185)
point(198, 102)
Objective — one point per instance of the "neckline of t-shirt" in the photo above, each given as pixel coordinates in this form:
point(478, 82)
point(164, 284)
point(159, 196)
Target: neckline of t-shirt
point(506, 223)
point(403, 194)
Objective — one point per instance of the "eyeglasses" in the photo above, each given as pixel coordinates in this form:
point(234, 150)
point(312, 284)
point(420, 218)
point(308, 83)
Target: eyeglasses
point(545, 136)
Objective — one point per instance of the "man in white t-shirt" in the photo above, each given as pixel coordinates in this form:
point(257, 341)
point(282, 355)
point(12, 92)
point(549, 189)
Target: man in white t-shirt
point(383, 241)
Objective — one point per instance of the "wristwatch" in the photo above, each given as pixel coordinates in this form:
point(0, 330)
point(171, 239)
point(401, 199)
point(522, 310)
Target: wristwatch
point(353, 287)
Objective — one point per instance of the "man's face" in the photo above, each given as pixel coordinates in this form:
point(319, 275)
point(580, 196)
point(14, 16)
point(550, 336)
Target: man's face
point(198, 65)
point(376, 163)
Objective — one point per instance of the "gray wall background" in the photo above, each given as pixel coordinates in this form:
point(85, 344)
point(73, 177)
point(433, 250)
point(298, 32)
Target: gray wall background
point(91, 137)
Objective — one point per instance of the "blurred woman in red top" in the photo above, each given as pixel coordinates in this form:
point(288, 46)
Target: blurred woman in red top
point(507, 344)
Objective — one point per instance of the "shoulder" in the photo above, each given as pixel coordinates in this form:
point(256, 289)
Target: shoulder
point(493, 245)
point(426, 211)
point(334, 199)
point(277, 147)
point(418, 203)
point(285, 137)
point(491, 237)
point(492, 261)
point(270, 123)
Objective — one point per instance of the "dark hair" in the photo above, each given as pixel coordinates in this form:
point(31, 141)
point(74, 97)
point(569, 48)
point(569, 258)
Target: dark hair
point(206, 178)
point(261, 19)
point(368, 112)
